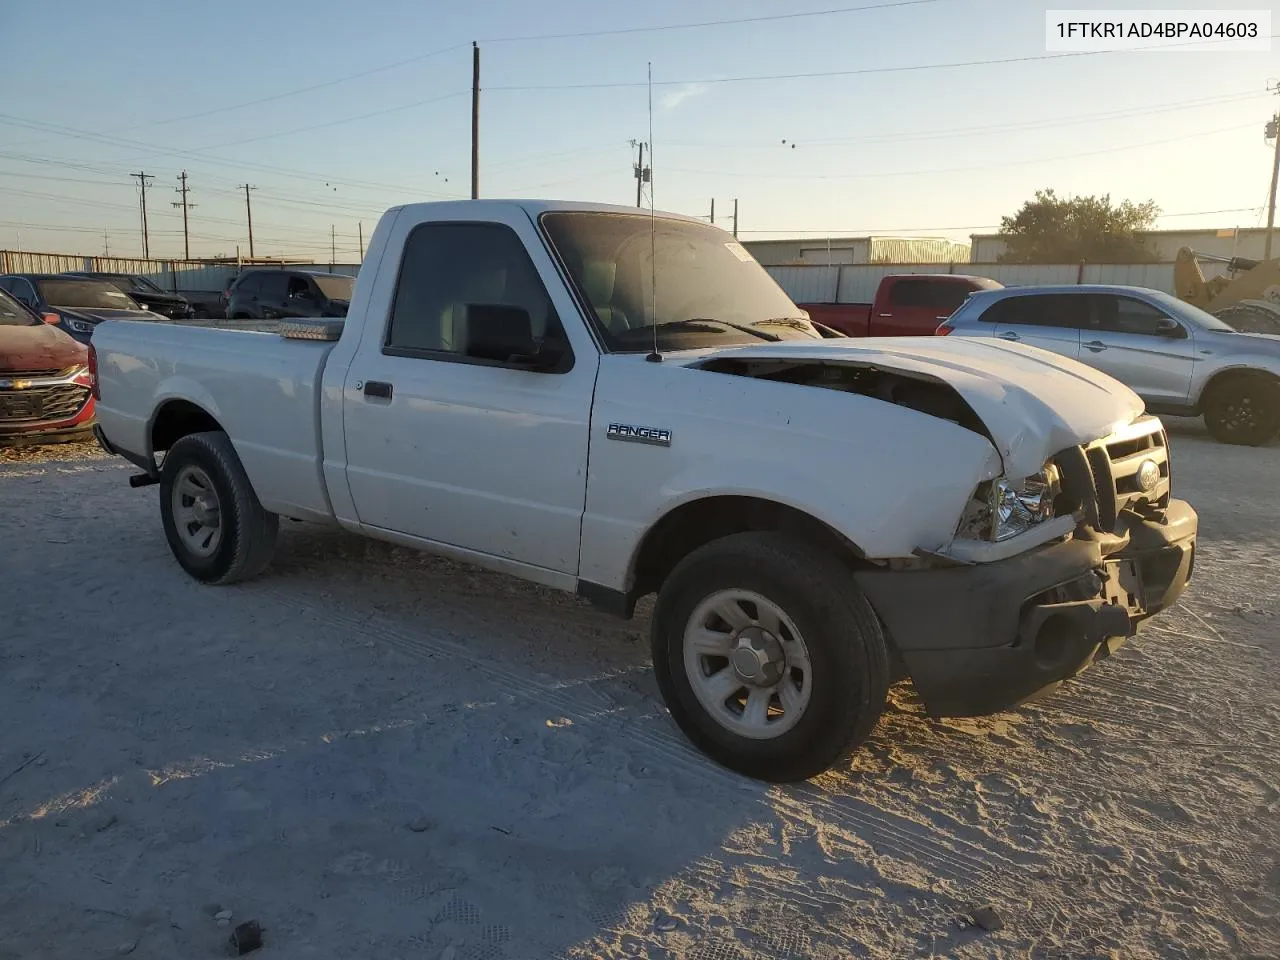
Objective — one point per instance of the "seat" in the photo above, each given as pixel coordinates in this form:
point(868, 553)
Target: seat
point(599, 279)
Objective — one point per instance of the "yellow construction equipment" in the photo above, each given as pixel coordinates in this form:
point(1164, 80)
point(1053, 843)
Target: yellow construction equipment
point(1246, 298)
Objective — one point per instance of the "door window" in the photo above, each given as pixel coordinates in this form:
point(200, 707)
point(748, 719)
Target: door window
point(1127, 315)
point(448, 267)
point(1044, 310)
point(299, 288)
point(272, 286)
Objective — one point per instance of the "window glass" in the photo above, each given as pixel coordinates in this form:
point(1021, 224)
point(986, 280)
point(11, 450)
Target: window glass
point(1040, 310)
point(91, 294)
point(450, 266)
point(1127, 315)
point(12, 314)
point(272, 286)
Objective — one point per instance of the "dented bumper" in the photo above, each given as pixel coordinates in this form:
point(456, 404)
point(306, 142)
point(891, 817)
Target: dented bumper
point(983, 638)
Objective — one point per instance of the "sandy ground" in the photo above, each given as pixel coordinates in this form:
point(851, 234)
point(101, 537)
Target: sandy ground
point(378, 754)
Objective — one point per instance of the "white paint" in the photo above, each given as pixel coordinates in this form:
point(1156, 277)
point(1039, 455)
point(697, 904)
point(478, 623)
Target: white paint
point(513, 469)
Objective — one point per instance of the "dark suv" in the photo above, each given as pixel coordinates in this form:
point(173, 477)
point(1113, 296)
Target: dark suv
point(279, 294)
point(145, 293)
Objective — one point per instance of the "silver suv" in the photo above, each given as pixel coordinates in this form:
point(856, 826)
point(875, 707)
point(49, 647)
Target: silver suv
point(1179, 359)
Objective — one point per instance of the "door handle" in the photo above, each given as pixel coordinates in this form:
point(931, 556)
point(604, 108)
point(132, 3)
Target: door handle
point(377, 388)
point(1097, 346)
point(1008, 335)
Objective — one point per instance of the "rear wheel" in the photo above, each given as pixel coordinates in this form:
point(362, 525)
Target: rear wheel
point(1244, 409)
point(768, 656)
point(215, 525)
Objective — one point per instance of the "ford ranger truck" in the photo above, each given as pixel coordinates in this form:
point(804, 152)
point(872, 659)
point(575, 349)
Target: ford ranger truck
point(615, 404)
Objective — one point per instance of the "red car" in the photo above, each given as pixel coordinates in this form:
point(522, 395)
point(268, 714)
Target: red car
point(45, 382)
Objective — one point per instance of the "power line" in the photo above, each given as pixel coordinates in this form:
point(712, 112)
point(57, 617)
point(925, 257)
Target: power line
point(985, 166)
point(733, 21)
point(871, 231)
point(823, 74)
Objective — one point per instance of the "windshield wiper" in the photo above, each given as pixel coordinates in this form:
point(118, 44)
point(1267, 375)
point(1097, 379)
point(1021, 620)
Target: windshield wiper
point(795, 323)
point(699, 323)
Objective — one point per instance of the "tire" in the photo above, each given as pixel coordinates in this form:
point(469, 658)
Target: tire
point(1243, 410)
point(222, 535)
point(841, 656)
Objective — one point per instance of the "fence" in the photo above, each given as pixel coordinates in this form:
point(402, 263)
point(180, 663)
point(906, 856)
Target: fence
point(177, 276)
point(856, 283)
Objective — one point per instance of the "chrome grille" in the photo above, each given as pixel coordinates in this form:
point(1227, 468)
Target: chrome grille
point(58, 402)
point(28, 374)
point(1101, 478)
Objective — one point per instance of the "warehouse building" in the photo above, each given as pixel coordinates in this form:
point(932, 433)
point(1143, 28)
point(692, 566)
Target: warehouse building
point(1229, 242)
point(831, 251)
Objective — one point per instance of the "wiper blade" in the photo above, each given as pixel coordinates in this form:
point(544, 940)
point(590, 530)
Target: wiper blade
point(697, 323)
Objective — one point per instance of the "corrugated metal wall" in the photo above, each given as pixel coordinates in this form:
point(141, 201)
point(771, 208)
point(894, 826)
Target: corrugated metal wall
point(187, 276)
point(857, 283)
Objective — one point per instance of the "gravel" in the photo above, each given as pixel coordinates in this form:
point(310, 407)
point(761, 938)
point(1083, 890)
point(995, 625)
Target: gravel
point(272, 741)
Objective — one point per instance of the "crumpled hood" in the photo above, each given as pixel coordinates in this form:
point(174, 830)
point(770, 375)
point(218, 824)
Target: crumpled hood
point(1034, 403)
point(38, 347)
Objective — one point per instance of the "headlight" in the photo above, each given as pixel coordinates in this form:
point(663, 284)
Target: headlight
point(79, 326)
point(1004, 508)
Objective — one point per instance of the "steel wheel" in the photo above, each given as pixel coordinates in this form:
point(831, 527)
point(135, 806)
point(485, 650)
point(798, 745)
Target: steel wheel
point(747, 664)
point(197, 515)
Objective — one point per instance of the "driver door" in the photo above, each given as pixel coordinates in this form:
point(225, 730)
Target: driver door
point(450, 448)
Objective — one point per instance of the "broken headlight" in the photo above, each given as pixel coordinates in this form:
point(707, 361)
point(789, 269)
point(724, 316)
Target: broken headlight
point(1003, 508)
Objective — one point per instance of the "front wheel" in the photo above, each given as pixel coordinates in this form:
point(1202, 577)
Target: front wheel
point(1243, 410)
point(768, 656)
point(215, 525)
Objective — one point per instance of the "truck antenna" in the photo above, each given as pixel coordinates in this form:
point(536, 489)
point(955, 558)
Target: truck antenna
point(655, 356)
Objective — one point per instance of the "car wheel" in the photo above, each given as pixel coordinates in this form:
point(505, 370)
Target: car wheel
point(215, 525)
point(1244, 409)
point(768, 656)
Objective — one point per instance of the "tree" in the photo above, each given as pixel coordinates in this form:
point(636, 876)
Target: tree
point(1053, 229)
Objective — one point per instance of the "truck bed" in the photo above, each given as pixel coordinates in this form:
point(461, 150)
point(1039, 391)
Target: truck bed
point(262, 389)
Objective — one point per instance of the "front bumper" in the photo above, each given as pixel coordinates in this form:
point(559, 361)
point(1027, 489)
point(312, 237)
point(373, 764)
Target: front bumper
point(979, 639)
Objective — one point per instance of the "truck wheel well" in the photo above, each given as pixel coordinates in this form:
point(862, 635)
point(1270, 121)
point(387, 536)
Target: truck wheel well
point(692, 525)
point(175, 420)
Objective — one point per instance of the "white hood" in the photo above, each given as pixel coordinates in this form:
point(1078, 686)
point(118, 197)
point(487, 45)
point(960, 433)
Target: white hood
point(1034, 403)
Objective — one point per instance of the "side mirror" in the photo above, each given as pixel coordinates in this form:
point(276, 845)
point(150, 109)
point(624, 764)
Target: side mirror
point(51, 318)
point(505, 334)
point(1167, 327)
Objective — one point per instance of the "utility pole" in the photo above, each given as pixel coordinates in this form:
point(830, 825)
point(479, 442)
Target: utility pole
point(642, 173)
point(186, 240)
point(143, 177)
point(735, 218)
point(713, 209)
point(475, 120)
point(333, 246)
point(248, 212)
point(360, 234)
point(1273, 130)
point(106, 244)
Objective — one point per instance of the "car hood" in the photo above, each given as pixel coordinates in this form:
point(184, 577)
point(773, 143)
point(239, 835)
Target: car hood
point(168, 299)
point(38, 347)
point(1034, 403)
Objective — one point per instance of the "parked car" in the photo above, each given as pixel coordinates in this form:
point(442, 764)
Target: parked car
point(44, 377)
point(905, 305)
point(1181, 360)
point(282, 294)
point(146, 294)
point(80, 303)
point(815, 515)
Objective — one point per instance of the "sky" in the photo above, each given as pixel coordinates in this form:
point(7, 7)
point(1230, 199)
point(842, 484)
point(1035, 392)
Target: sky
point(334, 111)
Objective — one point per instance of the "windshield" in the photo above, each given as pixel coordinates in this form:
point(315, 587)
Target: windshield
point(13, 314)
point(1185, 311)
point(335, 287)
point(709, 290)
point(143, 285)
point(94, 294)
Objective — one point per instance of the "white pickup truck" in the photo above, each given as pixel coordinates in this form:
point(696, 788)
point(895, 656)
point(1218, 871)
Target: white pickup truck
point(617, 405)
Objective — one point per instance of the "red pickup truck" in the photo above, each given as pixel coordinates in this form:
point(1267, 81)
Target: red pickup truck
point(906, 305)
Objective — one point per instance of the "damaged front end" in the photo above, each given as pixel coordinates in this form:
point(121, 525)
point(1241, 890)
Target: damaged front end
point(986, 636)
